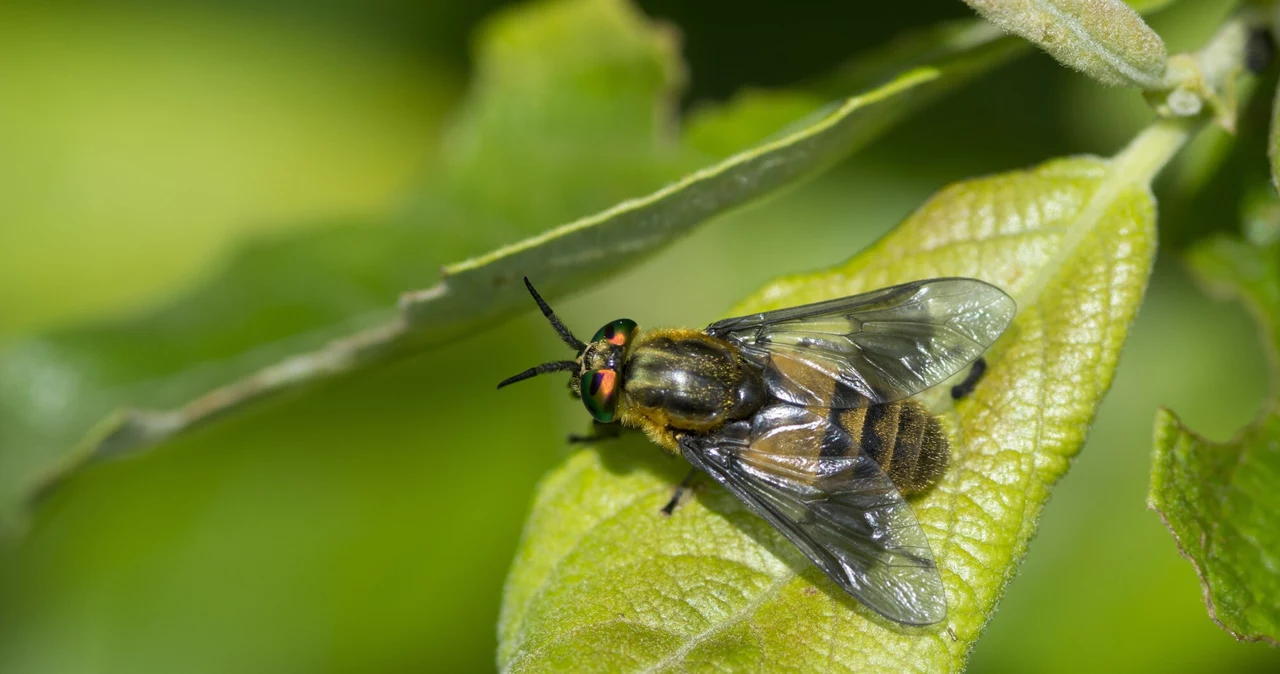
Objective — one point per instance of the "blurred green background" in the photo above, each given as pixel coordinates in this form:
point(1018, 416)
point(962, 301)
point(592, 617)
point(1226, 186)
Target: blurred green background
point(367, 524)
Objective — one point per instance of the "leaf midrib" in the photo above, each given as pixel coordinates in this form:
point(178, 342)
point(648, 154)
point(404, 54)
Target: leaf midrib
point(1134, 167)
point(738, 616)
point(1109, 56)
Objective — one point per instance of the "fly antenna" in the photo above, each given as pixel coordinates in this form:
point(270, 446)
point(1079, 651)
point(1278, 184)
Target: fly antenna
point(555, 322)
point(557, 366)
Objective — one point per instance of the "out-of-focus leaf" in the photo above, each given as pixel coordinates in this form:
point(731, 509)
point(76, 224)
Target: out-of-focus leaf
point(140, 177)
point(1261, 216)
point(1202, 159)
point(956, 42)
point(569, 113)
point(1273, 141)
point(602, 579)
point(1221, 500)
point(959, 50)
point(1105, 39)
point(488, 286)
point(1148, 6)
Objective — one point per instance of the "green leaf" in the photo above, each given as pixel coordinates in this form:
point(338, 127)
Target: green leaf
point(1148, 6)
point(957, 50)
point(570, 112)
point(244, 128)
point(602, 578)
point(591, 80)
point(961, 45)
point(1221, 500)
point(1273, 141)
point(1105, 39)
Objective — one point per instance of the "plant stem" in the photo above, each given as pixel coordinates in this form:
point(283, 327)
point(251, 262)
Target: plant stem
point(1151, 150)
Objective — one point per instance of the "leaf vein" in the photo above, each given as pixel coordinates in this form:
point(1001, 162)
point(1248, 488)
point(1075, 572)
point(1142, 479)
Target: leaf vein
point(741, 614)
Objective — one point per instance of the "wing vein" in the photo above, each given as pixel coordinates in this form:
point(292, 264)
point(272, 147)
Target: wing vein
point(880, 347)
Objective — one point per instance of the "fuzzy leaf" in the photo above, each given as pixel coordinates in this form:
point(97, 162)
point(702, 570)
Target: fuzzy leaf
point(1105, 39)
point(603, 582)
point(569, 114)
point(1221, 500)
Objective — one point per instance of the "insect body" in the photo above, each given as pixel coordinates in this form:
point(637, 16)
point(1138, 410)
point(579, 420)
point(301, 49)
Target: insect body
point(683, 380)
point(803, 414)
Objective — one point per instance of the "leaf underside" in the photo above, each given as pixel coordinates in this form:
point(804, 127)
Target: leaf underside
point(602, 582)
point(1221, 500)
point(1105, 39)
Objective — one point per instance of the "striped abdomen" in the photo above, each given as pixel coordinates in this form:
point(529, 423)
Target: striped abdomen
point(903, 437)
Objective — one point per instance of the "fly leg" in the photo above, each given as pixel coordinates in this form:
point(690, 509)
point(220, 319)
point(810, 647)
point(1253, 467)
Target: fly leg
point(970, 382)
point(670, 507)
point(599, 432)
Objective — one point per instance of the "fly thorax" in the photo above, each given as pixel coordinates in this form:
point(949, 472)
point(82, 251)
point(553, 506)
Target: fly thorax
point(692, 380)
point(750, 393)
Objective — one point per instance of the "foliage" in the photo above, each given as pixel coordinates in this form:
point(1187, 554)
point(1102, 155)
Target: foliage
point(1073, 241)
point(1105, 39)
point(567, 161)
point(230, 342)
point(1221, 500)
point(605, 119)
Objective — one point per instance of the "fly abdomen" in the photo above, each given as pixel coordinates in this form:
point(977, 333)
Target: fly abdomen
point(904, 438)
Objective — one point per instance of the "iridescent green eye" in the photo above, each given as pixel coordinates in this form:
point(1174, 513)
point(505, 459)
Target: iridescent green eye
point(618, 332)
point(600, 394)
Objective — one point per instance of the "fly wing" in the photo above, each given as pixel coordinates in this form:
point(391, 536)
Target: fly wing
point(800, 472)
point(872, 348)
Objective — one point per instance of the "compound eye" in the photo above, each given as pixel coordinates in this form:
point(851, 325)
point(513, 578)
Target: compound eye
point(600, 394)
point(618, 333)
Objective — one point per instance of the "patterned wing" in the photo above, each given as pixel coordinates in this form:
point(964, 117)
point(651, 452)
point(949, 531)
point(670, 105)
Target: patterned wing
point(872, 348)
point(801, 473)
